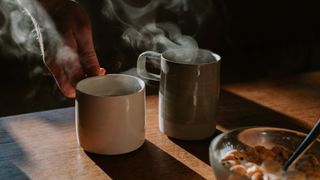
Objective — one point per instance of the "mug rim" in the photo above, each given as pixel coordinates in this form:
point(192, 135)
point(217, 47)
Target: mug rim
point(140, 81)
point(216, 56)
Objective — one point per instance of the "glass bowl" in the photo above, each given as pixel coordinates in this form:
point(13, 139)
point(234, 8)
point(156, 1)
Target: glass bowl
point(240, 138)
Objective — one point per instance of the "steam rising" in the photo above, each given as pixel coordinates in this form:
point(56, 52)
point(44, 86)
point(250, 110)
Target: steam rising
point(144, 33)
point(26, 25)
point(26, 28)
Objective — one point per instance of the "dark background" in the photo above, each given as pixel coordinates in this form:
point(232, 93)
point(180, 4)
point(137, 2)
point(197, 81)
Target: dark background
point(256, 39)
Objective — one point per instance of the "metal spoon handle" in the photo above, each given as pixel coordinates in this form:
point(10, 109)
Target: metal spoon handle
point(304, 145)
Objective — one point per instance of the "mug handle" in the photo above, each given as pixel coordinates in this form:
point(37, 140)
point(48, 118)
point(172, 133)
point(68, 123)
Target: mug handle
point(141, 65)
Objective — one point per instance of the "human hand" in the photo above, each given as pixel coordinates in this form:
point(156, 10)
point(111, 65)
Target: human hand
point(76, 58)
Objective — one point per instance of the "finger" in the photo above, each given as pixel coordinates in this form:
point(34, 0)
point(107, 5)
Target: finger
point(102, 71)
point(83, 36)
point(66, 74)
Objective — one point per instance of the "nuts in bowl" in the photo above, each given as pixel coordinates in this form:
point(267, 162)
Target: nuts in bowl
point(259, 153)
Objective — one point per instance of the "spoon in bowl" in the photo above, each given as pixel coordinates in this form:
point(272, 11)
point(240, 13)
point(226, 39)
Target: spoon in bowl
point(303, 146)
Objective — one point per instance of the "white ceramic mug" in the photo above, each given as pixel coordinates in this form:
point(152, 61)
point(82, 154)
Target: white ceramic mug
point(110, 114)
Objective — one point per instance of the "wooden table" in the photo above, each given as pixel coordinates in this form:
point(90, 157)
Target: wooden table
point(42, 145)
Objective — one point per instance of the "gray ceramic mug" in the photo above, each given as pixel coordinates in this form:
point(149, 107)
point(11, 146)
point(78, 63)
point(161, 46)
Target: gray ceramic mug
point(189, 91)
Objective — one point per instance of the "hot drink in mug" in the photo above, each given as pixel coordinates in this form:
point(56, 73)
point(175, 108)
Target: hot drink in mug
point(189, 91)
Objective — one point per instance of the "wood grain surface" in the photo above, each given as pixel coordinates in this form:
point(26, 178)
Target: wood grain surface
point(291, 102)
point(43, 145)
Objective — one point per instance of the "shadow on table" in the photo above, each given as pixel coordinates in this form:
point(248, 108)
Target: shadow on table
point(10, 171)
point(147, 162)
point(10, 150)
point(199, 148)
point(234, 112)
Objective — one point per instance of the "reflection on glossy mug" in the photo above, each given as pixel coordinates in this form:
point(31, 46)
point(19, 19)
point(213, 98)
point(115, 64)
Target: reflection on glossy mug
point(189, 91)
point(110, 114)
